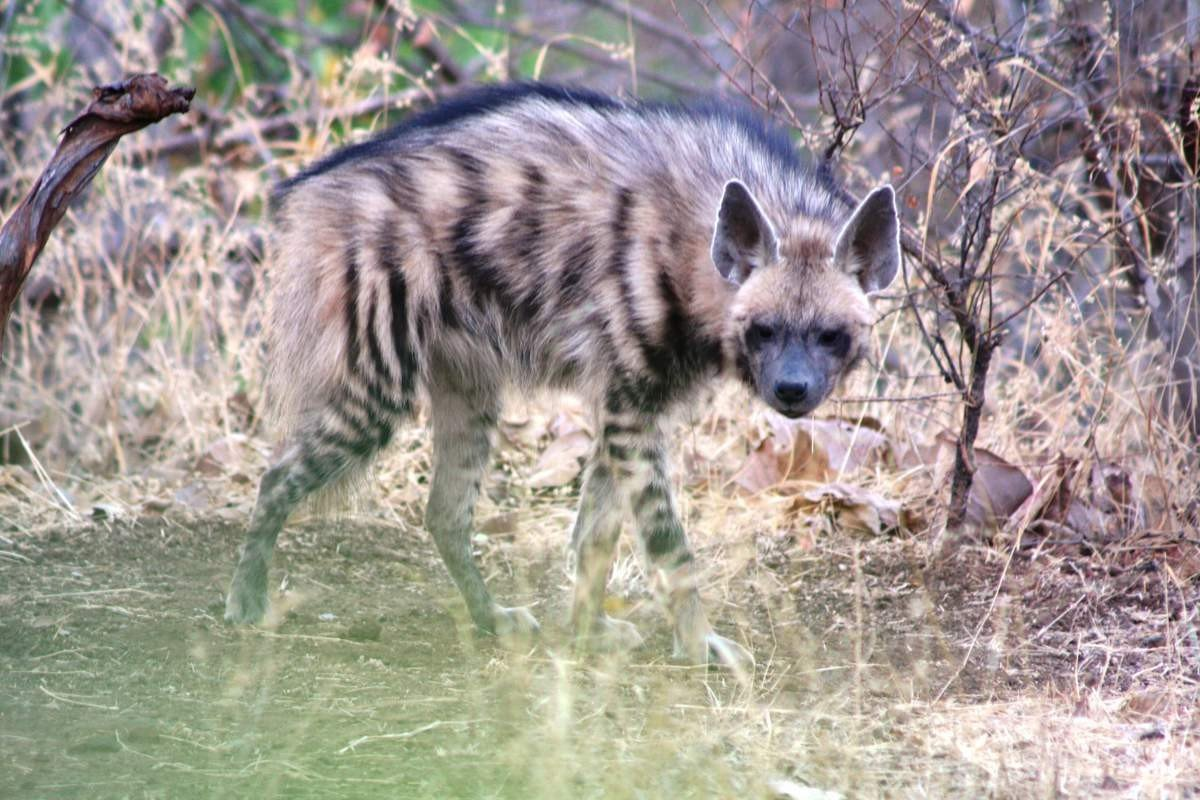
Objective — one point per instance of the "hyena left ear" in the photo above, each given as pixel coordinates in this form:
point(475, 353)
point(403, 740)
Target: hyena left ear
point(743, 239)
point(869, 245)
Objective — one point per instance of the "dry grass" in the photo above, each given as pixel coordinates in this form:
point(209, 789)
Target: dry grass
point(1025, 661)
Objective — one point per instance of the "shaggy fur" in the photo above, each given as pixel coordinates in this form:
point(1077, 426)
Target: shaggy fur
point(538, 236)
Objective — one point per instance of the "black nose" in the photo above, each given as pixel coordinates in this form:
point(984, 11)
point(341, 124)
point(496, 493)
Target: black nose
point(791, 393)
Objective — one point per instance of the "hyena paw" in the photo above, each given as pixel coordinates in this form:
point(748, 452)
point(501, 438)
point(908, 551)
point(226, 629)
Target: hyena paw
point(247, 600)
point(245, 606)
point(608, 635)
point(515, 625)
point(729, 654)
point(716, 650)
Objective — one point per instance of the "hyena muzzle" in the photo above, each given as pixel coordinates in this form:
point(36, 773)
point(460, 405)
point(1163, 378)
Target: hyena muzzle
point(532, 236)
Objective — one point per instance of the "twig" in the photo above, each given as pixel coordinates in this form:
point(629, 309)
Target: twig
point(982, 621)
point(220, 141)
point(439, 723)
point(221, 137)
point(83, 703)
point(656, 26)
point(578, 52)
point(918, 398)
point(916, 249)
point(40, 471)
point(263, 38)
point(307, 637)
point(95, 592)
point(5, 25)
point(423, 37)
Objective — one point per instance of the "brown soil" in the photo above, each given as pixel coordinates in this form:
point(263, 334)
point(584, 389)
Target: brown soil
point(122, 681)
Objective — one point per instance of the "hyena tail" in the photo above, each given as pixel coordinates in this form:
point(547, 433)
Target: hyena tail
point(339, 374)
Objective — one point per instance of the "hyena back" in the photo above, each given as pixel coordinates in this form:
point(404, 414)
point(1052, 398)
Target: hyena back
point(535, 236)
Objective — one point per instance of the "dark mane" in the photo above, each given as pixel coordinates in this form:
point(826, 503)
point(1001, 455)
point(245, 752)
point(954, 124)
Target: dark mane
point(757, 127)
point(467, 105)
point(488, 99)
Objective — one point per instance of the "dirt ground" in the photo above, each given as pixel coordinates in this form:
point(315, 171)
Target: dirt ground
point(880, 674)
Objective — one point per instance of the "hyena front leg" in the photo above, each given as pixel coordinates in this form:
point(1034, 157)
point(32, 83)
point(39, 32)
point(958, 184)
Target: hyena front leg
point(462, 442)
point(636, 449)
point(593, 543)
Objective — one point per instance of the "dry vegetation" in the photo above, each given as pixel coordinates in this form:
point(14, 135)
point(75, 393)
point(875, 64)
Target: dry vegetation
point(1043, 343)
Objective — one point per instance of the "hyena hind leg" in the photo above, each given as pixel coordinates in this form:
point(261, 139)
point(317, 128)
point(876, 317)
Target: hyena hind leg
point(316, 458)
point(462, 441)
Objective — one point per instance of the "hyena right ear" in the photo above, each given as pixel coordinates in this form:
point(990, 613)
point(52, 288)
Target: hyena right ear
point(743, 238)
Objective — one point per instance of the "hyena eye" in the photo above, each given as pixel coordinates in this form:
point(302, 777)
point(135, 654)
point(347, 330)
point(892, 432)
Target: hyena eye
point(834, 339)
point(759, 333)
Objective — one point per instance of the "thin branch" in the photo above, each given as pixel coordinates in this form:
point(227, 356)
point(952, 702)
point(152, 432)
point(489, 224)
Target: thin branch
point(656, 26)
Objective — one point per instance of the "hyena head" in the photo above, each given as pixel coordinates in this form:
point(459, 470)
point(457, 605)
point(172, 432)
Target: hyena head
point(800, 319)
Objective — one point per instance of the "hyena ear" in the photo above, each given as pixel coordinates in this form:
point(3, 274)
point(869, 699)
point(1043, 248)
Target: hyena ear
point(743, 238)
point(869, 244)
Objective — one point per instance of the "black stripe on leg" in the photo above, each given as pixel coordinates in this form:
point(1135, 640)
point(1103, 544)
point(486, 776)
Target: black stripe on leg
point(664, 538)
point(354, 414)
point(339, 442)
point(371, 417)
point(382, 398)
point(320, 468)
point(617, 452)
point(613, 429)
point(653, 494)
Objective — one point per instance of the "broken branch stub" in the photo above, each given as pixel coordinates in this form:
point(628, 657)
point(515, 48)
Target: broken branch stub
point(116, 109)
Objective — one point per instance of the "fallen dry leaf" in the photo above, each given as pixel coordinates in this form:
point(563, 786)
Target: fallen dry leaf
point(845, 445)
point(562, 460)
point(1156, 498)
point(814, 450)
point(763, 468)
point(999, 487)
point(1112, 493)
point(194, 497)
point(504, 523)
point(854, 508)
point(1053, 501)
point(224, 455)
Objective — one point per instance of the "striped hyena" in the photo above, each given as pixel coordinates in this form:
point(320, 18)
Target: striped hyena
point(534, 236)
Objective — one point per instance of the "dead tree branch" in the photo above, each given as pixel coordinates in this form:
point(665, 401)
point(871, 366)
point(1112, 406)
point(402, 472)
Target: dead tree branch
point(116, 110)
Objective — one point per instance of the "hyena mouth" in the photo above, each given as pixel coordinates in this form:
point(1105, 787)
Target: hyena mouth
point(794, 411)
